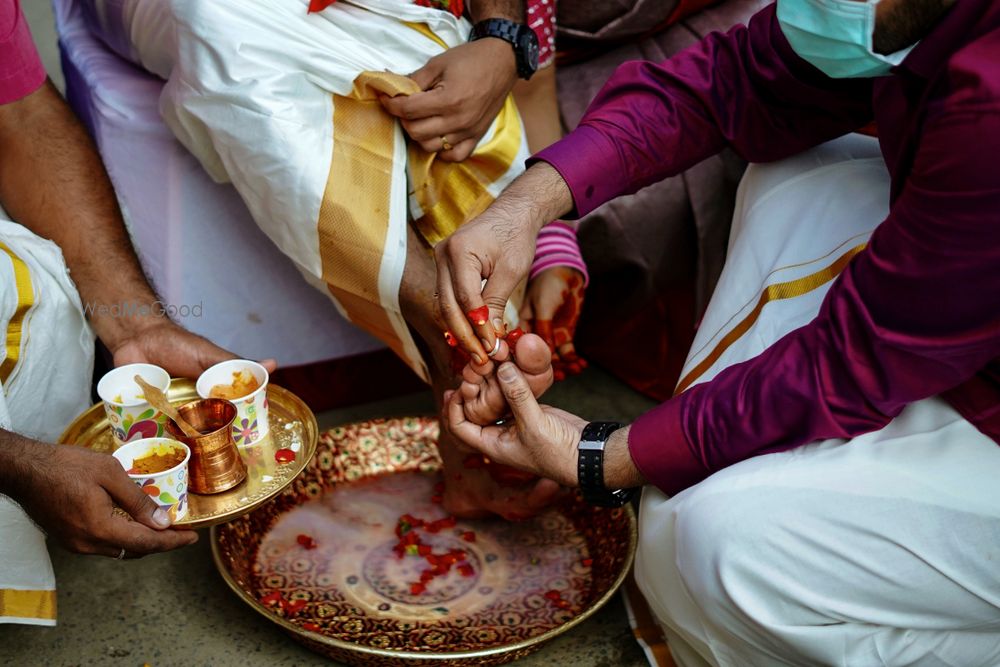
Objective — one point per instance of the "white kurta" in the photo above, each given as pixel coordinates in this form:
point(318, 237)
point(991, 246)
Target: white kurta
point(46, 374)
point(881, 550)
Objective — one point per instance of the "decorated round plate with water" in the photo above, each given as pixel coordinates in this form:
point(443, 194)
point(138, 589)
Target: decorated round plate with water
point(358, 560)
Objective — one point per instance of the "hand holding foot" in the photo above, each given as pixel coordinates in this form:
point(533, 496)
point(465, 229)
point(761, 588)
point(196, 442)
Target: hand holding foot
point(481, 394)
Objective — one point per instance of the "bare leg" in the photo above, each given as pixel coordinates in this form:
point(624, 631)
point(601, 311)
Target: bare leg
point(469, 492)
point(536, 100)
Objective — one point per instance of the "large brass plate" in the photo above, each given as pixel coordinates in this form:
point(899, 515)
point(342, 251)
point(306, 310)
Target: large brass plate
point(292, 426)
point(346, 596)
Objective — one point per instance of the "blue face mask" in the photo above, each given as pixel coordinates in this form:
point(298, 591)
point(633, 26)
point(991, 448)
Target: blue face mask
point(836, 36)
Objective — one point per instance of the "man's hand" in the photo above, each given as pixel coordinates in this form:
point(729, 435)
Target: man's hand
point(551, 309)
point(498, 246)
point(71, 492)
point(173, 348)
point(463, 90)
point(541, 440)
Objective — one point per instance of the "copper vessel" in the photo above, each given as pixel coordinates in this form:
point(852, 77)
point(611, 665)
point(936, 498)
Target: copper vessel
point(216, 464)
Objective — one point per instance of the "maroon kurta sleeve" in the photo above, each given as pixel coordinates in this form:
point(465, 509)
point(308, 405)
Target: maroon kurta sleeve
point(746, 89)
point(913, 315)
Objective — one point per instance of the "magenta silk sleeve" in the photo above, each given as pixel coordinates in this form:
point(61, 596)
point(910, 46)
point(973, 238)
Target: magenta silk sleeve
point(913, 315)
point(21, 71)
point(746, 89)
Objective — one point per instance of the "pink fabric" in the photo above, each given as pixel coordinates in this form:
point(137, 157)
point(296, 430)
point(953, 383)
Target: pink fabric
point(557, 246)
point(21, 71)
point(542, 19)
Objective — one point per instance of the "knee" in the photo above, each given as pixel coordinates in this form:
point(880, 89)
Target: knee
point(730, 549)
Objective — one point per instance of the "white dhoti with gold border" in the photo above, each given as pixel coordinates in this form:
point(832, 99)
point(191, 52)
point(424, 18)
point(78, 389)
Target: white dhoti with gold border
point(880, 550)
point(48, 360)
point(285, 105)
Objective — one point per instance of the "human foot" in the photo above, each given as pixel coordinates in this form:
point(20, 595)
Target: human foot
point(474, 493)
point(484, 401)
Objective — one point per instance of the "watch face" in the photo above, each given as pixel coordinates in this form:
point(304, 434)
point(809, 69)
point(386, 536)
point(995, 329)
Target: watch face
point(529, 47)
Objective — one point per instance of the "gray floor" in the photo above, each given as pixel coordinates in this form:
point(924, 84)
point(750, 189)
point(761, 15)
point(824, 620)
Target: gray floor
point(174, 609)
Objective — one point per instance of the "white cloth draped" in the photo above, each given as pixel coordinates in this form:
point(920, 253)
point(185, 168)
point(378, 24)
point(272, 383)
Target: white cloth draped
point(42, 392)
point(881, 550)
point(250, 92)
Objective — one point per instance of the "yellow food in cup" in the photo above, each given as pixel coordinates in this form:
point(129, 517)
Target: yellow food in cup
point(244, 383)
point(159, 460)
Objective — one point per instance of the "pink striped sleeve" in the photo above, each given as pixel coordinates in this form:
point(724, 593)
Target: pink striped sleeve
point(557, 246)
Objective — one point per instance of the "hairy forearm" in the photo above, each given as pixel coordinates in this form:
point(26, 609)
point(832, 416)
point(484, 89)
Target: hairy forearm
point(537, 197)
point(17, 456)
point(499, 9)
point(52, 181)
point(620, 472)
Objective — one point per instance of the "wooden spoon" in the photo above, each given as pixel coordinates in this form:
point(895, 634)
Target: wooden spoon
point(159, 401)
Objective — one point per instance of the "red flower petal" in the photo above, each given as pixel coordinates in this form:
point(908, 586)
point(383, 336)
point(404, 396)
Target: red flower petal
point(319, 5)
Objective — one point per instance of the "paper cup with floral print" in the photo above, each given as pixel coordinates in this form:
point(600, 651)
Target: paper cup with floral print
point(131, 417)
point(168, 488)
point(251, 410)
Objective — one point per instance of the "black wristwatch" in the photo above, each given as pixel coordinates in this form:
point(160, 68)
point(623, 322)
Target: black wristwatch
point(518, 35)
point(590, 466)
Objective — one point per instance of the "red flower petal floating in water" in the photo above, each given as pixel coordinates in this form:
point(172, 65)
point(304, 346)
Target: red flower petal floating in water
point(417, 588)
point(466, 570)
point(311, 627)
point(469, 536)
point(319, 5)
point(293, 607)
point(272, 598)
point(284, 455)
point(553, 595)
point(587, 562)
point(306, 542)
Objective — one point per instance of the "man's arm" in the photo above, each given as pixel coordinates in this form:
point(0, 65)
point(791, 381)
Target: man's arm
point(52, 181)
point(71, 493)
point(746, 89)
point(913, 315)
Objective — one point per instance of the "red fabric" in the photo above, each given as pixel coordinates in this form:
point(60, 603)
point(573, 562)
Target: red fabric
point(347, 381)
point(541, 17)
point(645, 350)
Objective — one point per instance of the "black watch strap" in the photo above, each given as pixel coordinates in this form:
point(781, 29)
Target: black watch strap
point(521, 38)
point(590, 466)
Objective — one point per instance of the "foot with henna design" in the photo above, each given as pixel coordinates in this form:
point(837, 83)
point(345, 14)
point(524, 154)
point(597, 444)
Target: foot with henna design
point(479, 489)
point(519, 495)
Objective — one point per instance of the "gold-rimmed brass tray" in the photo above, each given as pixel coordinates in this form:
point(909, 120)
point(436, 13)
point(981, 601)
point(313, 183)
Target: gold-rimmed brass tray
point(318, 559)
point(292, 425)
